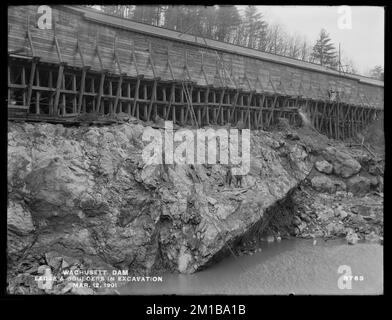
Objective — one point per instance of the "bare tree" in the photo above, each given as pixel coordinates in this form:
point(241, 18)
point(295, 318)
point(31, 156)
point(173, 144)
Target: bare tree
point(295, 47)
point(255, 26)
point(227, 20)
point(123, 11)
point(305, 50)
point(377, 72)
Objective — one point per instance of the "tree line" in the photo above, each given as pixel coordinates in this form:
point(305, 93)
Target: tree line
point(246, 28)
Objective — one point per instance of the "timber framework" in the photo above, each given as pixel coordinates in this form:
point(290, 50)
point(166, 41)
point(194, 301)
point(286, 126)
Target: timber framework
point(94, 65)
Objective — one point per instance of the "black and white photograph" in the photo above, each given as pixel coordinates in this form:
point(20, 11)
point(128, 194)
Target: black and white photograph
point(195, 150)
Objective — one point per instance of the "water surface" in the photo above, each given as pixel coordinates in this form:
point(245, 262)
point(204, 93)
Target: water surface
point(289, 266)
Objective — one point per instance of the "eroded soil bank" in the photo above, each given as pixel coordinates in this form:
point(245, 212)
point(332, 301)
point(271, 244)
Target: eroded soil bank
point(82, 198)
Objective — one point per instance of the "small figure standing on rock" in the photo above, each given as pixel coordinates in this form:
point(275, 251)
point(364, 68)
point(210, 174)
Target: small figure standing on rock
point(229, 176)
point(238, 181)
point(240, 125)
point(237, 178)
point(159, 121)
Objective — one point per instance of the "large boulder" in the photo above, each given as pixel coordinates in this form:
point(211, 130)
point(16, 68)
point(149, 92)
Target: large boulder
point(88, 193)
point(324, 167)
point(323, 183)
point(344, 164)
point(20, 229)
point(359, 185)
point(19, 219)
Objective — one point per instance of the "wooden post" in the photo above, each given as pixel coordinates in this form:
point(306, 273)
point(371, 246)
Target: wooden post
point(118, 94)
point(129, 98)
point(337, 120)
point(345, 121)
point(363, 124)
point(171, 99)
point(145, 111)
point(58, 86)
point(153, 98)
point(234, 104)
point(330, 120)
point(315, 114)
point(206, 106)
point(31, 80)
point(110, 99)
point(220, 104)
point(174, 109)
point(199, 108)
point(100, 92)
point(260, 117)
point(136, 96)
point(23, 81)
point(323, 121)
point(272, 110)
point(74, 99)
point(82, 86)
point(38, 94)
point(247, 116)
point(63, 109)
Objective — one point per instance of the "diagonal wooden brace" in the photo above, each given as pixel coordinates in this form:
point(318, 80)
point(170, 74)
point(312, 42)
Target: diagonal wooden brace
point(136, 96)
point(31, 81)
point(82, 86)
point(118, 92)
point(58, 86)
point(100, 92)
point(153, 97)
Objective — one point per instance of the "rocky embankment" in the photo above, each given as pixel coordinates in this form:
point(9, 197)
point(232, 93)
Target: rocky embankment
point(82, 197)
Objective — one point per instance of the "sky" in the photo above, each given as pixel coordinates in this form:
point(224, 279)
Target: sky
point(363, 43)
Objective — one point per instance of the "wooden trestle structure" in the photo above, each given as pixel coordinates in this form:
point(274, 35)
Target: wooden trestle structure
point(47, 91)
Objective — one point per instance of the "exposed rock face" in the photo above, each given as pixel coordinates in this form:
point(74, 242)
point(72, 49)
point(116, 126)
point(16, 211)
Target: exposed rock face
point(20, 229)
point(84, 198)
point(19, 219)
point(86, 191)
